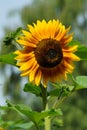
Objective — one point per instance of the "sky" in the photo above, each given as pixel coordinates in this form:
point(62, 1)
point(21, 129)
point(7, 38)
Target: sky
point(7, 6)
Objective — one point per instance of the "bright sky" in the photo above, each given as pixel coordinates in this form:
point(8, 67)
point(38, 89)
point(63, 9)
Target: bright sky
point(5, 7)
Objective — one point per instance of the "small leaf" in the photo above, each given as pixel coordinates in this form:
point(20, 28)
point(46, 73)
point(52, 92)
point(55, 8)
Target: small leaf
point(18, 32)
point(8, 59)
point(29, 87)
point(70, 88)
point(8, 40)
point(81, 82)
point(82, 52)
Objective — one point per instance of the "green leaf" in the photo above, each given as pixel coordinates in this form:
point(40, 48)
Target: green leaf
point(23, 125)
point(82, 52)
point(55, 92)
point(81, 82)
point(36, 117)
point(64, 90)
point(8, 59)
point(29, 87)
point(74, 42)
point(56, 84)
point(58, 122)
point(18, 32)
point(8, 40)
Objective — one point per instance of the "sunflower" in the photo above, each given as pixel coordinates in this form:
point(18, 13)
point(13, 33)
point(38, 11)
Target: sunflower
point(46, 54)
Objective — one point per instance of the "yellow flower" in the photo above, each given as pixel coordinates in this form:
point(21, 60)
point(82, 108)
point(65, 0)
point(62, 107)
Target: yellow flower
point(46, 55)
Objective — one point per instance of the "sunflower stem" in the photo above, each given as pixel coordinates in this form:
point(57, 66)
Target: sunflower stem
point(44, 95)
point(47, 120)
point(46, 107)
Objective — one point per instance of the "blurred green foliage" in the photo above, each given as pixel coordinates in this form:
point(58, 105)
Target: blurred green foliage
point(69, 12)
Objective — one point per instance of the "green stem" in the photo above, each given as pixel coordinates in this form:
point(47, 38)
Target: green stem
point(44, 95)
point(58, 98)
point(37, 127)
point(47, 120)
point(58, 103)
point(46, 107)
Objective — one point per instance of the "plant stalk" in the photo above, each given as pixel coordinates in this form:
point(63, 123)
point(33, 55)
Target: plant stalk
point(47, 120)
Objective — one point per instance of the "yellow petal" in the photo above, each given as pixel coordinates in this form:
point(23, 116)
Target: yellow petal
point(17, 52)
point(75, 58)
point(26, 33)
point(70, 48)
point(27, 64)
point(71, 56)
point(20, 63)
point(38, 77)
point(24, 56)
point(60, 33)
point(66, 39)
point(32, 73)
point(26, 43)
point(31, 28)
point(67, 30)
point(44, 80)
point(26, 72)
point(68, 65)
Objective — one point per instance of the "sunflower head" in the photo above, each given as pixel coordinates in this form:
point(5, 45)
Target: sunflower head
point(46, 55)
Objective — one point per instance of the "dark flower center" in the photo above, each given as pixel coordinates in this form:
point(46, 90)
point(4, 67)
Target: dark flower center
point(48, 53)
point(51, 53)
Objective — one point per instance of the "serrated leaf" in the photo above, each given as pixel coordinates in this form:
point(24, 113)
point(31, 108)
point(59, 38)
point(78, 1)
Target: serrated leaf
point(8, 59)
point(29, 87)
point(81, 82)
